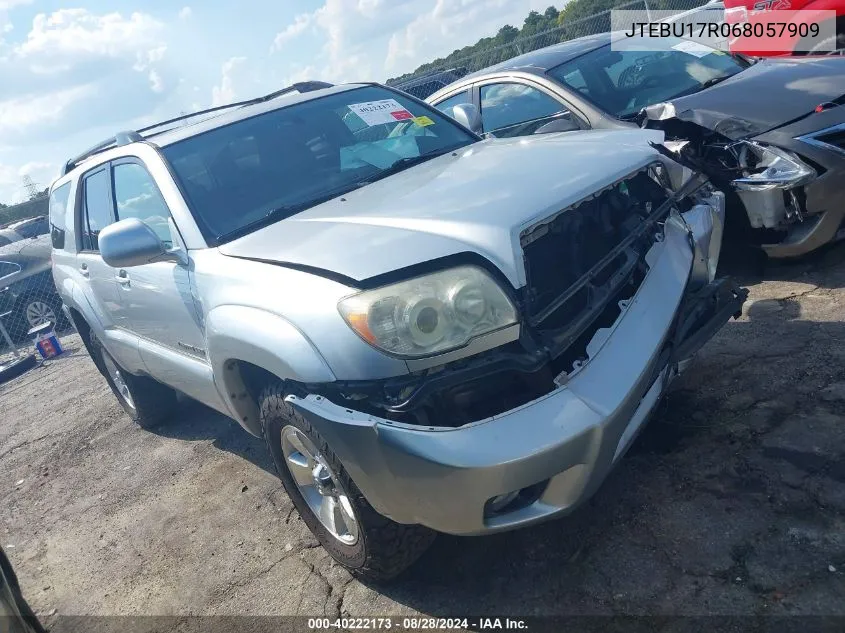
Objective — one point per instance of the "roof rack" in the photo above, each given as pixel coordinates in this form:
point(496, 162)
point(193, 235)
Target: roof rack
point(133, 136)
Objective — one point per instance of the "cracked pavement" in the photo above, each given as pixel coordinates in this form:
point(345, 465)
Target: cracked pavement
point(730, 502)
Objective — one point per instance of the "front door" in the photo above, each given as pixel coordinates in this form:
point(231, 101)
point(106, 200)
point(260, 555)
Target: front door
point(157, 303)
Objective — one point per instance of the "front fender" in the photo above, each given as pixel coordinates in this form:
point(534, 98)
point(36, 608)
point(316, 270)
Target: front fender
point(264, 339)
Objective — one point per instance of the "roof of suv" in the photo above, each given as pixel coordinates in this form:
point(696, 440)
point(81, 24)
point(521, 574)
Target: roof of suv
point(226, 117)
point(189, 125)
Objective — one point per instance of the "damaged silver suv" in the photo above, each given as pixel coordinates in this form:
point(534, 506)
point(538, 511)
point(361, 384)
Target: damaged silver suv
point(431, 331)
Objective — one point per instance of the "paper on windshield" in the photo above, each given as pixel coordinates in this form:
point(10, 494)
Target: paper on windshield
point(693, 48)
point(380, 112)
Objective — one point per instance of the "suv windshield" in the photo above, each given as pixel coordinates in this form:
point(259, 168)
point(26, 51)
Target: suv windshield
point(256, 171)
point(623, 82)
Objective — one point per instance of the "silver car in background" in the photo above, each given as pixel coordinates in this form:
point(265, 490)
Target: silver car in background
point(431, 331)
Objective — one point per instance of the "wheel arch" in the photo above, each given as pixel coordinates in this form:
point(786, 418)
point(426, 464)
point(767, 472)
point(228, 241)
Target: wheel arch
point(249, 348)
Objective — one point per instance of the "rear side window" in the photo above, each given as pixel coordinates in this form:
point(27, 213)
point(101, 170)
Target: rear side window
point(58, 214)
point(98, 211)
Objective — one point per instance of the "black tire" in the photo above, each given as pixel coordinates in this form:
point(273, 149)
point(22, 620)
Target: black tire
point(16, 367)
point(148, 403)
point(384, 548)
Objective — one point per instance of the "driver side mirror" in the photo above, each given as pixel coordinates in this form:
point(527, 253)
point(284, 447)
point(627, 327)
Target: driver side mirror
point(131, 242)
point(467, 115)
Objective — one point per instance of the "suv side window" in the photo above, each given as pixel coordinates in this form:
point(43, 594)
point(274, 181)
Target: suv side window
point(58, 214)
point(137, 196)
point(446, 106)
point(512, 109)
point(98, 208)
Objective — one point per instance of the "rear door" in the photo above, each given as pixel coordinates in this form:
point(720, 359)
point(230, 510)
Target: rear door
point(98, 279)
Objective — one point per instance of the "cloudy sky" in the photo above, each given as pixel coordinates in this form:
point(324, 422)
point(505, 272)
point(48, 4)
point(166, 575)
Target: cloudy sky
point(75, 71)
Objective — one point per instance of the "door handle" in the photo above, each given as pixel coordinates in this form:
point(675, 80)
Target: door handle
point(84, 270)
point(122, 278)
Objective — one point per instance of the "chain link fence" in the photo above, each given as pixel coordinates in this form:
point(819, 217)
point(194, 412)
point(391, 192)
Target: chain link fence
point(30, 307)
point(430, 77)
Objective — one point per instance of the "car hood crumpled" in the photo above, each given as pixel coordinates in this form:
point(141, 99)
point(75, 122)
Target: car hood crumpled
point(793, 88)
point(476, 200)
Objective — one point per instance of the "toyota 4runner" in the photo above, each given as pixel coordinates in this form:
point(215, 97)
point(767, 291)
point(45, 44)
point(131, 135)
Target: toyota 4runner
point(430, 330)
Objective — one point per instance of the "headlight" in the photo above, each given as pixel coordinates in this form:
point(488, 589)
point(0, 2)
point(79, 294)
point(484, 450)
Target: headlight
point(431, 314)
point(768, 167)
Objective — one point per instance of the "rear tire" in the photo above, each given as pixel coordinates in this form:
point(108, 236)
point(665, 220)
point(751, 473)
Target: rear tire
point(146, 401)
point(368, 544)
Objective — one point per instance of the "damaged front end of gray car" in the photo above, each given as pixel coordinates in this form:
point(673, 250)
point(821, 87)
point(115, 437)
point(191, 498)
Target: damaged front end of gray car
point(787, 207)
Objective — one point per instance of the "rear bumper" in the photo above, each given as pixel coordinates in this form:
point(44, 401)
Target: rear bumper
point(561, 446)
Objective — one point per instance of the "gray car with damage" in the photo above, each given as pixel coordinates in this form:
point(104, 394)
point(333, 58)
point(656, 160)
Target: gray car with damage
point(431, 331)
point(770, 134)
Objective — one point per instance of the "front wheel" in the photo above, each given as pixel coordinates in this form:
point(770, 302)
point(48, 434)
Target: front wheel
point(329, 502)
point(145, 400)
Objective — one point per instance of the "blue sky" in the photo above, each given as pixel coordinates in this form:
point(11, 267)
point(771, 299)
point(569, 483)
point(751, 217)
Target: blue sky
point(74, 72)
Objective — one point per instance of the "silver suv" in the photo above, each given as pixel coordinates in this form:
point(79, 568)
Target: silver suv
point(431, 331)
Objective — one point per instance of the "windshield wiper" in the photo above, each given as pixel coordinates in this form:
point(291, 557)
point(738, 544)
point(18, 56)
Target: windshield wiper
point(403, 164)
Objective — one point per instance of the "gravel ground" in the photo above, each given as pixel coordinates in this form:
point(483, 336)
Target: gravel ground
point(731, 501)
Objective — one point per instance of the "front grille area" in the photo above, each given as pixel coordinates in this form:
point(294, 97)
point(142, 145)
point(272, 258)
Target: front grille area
point(590, 255)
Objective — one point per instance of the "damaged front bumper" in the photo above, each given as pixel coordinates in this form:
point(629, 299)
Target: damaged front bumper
point(543, 458)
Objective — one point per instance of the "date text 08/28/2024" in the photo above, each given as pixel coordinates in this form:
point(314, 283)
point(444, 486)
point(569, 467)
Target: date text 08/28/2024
point(417, 624)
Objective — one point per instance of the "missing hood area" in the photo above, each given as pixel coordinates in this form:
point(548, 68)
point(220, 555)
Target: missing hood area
point(768, 180)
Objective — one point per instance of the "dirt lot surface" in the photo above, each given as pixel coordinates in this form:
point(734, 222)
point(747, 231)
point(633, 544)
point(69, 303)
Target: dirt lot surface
point(731, 502)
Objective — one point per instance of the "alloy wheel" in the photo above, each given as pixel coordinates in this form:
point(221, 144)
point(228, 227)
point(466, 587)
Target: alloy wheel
point(116, 375)
point(38, 312)
point(319, 486)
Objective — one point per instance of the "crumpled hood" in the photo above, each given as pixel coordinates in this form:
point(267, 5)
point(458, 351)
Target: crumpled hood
point(791, 88)
point(475, 201)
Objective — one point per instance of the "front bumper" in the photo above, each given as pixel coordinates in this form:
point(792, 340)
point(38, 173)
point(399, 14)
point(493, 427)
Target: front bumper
point(561, 445)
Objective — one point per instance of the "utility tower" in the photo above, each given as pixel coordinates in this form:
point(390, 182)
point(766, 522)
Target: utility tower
point(31, 188)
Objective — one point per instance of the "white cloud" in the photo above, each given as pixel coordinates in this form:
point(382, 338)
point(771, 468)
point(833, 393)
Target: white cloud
point(68, 37)
point(225, 92)
point(297, 27)
point(156, 83)
point(449, 25)
point(185, 13)
point(6, 5)
point(373, 39)
point(20, 113)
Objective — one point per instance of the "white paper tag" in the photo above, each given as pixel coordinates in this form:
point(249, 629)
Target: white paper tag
point(380, 112)
point(693, 48)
